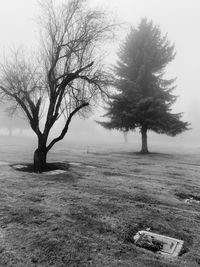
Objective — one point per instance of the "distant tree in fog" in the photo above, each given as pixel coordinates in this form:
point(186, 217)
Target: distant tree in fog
point(9, 121)
point(67, 74)
point(144, 96)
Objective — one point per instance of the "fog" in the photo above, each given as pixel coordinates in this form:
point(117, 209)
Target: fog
point(180, 19)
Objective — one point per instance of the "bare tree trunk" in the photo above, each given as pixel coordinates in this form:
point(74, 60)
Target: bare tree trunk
point(9, 131)
point(144, 148)
point(40, 156)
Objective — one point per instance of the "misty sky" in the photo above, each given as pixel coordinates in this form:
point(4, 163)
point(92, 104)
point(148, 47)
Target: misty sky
point(179, 18)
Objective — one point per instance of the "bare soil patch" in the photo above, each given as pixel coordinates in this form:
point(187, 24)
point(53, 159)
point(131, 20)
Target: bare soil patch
point(52, 166)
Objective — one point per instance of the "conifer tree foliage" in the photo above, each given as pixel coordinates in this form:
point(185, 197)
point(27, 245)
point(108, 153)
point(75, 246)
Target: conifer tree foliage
point(144, 97)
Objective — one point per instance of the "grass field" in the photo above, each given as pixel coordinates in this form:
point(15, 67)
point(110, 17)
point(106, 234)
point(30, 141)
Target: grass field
point(88, 216)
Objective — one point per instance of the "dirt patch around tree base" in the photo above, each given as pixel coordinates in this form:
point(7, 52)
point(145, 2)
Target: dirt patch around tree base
point(52, 166)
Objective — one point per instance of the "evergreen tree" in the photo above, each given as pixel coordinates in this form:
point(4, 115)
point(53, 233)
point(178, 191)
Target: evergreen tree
point(144, 97)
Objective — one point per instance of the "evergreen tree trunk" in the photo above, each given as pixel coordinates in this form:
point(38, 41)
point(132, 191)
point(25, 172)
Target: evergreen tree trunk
point(40, 156)
point(144, 148)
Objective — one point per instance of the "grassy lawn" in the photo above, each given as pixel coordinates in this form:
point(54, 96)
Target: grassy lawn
point(88, 216)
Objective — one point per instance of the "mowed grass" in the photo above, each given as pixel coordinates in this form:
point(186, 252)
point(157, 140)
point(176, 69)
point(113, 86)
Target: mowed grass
point(88, 216)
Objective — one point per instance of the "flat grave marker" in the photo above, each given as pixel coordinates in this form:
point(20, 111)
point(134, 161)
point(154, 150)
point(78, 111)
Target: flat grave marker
point(168, 246)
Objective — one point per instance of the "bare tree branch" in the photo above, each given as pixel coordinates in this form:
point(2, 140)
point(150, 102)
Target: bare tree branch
point(65, 129)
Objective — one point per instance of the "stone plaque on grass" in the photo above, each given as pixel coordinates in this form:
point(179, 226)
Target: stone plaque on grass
point(158, 243)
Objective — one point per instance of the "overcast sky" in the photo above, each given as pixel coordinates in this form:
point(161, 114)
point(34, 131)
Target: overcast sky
point(179, 18)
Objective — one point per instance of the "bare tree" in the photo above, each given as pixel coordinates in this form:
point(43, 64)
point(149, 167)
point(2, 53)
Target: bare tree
point(67, 75)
